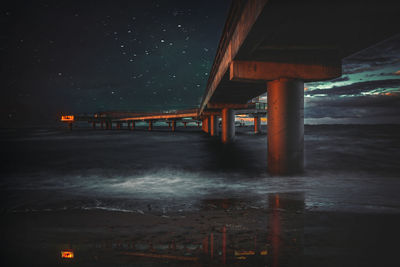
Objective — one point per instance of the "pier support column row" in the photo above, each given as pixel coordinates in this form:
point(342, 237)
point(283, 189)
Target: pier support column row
point(150, 125)
point(206, 124)
point(173, 127)
point(257, 125)
point(213, 125)
point(228, 125)
point(285, 126)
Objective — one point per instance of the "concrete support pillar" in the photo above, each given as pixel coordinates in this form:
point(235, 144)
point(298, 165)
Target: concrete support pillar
point(285, 126)
point(94, 125)
point(102, 124)
point(150, 125)
point(129, 125)
point(207, 126)
point(228, 125)
point(169, 124)
point(173, 126)
point(70, 126)
point(213, 125)
point(118, 125)
point(198, 124)
point(133, 125)
point(184, 124)
point(257, 125)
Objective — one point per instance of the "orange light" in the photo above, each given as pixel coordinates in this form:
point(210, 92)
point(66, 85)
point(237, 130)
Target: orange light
point(67, 254)
point(244, 253)
point(67, 118)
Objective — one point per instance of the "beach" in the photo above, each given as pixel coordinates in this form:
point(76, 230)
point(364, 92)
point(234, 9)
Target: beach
point(138, 198)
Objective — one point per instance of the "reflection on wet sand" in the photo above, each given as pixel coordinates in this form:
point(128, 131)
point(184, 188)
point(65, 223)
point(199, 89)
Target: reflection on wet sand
point(230, 235)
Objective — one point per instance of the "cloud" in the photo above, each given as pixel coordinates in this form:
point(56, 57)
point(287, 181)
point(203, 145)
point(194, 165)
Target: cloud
point(356, 88)
point(340, 79)
point(361, 109)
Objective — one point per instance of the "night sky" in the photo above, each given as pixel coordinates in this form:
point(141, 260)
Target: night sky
point(89, 56)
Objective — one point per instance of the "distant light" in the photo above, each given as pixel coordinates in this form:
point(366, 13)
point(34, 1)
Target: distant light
point(67, 254)
point(67, 118)
point(179, 25)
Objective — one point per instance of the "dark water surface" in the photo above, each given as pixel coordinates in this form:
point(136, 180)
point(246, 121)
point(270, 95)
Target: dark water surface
point(138, 198)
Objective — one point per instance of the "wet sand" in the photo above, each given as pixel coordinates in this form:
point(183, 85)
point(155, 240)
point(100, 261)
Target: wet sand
point(282, 234)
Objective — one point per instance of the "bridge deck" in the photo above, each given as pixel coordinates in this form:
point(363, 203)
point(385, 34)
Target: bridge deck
point(289, 31)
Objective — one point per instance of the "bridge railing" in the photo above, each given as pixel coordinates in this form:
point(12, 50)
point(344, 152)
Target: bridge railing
point(230, 25)
point(257, 105)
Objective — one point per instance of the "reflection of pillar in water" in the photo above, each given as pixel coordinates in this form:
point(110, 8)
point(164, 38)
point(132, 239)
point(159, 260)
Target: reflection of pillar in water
point(286, 229)
point(212, 245)
point(275, 232)
point(224, 244)
point(205, 245)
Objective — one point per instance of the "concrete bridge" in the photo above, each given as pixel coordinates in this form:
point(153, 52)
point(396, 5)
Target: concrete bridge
point(275, 46)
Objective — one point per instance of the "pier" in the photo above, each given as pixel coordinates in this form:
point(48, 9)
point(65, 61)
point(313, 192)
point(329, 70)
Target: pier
point(274, 47)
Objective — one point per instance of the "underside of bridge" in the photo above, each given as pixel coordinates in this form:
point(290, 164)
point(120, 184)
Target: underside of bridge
point(276, 46)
